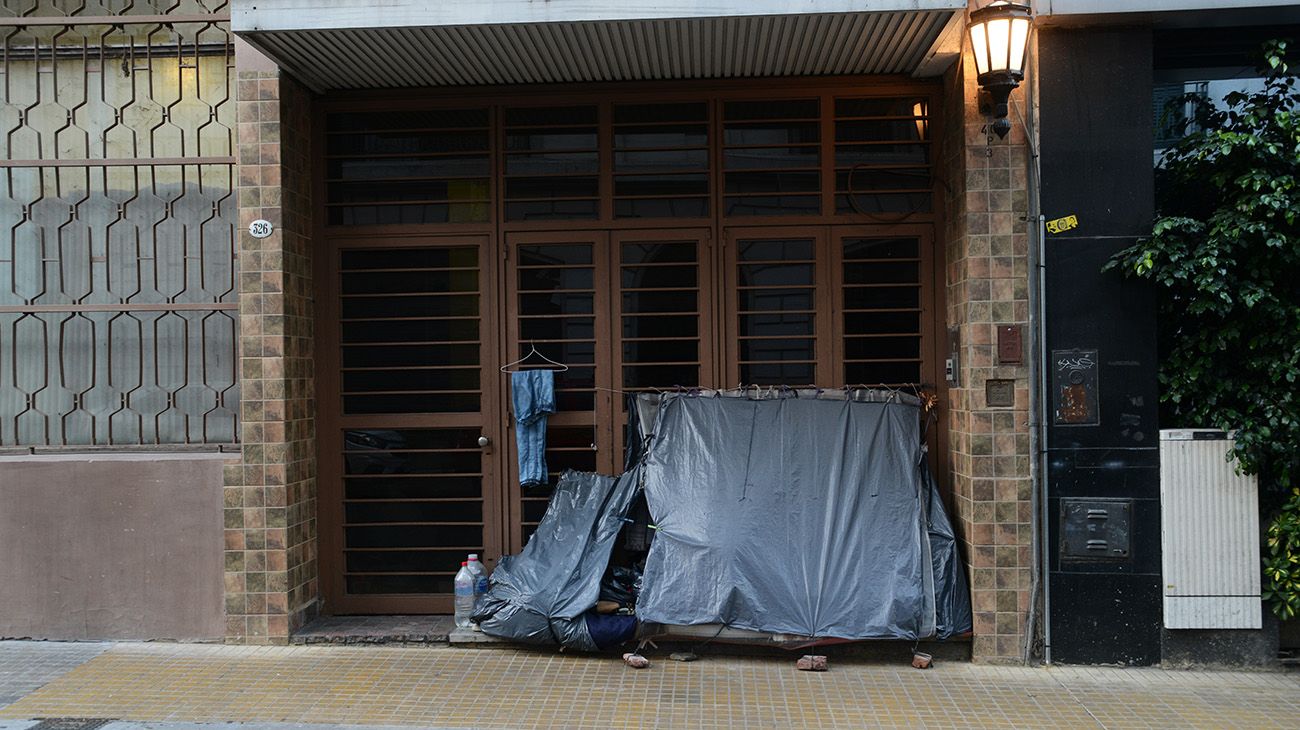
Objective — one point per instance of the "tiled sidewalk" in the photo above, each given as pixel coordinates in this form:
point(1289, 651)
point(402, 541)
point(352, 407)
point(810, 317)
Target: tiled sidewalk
point(26, 665)
point(505, 688)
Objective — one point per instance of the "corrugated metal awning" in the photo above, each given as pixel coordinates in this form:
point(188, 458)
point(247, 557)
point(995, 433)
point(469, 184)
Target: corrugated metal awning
point(920, 39)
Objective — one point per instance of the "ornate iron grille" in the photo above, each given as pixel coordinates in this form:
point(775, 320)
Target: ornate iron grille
point(118, 295)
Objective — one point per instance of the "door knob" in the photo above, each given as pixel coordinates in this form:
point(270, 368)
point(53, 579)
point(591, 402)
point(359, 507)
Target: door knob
point(484, 440)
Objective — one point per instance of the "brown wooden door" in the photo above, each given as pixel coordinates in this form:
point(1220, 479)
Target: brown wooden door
point(409, 373)
point(557, 301)
point(663, 315)
point(626, 311)
point(885, 306)
point(888, 316)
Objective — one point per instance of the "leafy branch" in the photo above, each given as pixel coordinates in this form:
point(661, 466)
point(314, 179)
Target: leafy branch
point(1225, 254)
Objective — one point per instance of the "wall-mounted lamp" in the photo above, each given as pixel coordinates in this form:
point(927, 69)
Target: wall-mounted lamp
point(999, 34)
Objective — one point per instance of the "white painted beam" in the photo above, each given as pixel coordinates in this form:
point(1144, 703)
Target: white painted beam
point(1106, 7)
point(273, 15)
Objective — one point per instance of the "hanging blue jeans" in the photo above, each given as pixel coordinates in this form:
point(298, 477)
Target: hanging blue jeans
point(532, 393)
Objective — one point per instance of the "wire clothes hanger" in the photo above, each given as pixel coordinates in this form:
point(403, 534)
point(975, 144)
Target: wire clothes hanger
point(532, 350)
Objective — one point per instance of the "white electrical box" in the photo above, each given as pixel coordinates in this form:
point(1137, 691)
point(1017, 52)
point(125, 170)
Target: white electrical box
point(1209, 524)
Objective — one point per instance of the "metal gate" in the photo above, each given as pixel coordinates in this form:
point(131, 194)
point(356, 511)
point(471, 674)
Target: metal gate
point(117, 261)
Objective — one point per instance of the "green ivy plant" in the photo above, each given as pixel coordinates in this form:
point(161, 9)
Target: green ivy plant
point(1282, 564)
point(1225, 254)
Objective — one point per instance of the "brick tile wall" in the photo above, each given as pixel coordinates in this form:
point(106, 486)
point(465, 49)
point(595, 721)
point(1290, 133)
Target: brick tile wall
point(270, 497)
point(988, 285)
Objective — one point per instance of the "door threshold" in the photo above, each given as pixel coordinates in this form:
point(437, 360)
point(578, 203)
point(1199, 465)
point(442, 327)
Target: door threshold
point(399, 629)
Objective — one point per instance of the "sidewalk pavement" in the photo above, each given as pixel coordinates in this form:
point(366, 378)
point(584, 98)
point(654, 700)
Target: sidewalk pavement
point(130, 686)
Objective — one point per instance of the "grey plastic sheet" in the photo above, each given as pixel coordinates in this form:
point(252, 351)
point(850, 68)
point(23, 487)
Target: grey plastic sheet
point(951, 592)
point(540, 595)
point(804, 516)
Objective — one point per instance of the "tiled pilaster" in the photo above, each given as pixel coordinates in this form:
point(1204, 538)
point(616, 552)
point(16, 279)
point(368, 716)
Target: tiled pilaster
point(271, 582)
point(988, 286)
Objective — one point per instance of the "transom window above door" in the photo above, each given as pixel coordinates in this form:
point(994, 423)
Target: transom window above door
point(817, 156)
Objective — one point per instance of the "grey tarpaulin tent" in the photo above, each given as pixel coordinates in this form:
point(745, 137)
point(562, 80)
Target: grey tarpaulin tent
point(804, 513)
point(810, 516)
point(540, 595)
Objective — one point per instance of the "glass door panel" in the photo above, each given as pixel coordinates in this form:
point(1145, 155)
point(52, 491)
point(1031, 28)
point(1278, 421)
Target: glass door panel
point(889, 315)
point(881, 310)
point(407, 476)
point(412, 508)
point(887, 305)
point(778, 307)
point(663, 314)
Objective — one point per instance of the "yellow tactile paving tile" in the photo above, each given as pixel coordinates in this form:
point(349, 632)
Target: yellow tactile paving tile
point(488, 689)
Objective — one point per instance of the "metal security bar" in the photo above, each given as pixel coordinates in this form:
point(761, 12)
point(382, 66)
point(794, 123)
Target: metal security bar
point(128, 10)
point(118, 273)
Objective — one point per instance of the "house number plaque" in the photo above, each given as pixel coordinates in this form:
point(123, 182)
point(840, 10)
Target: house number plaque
point(260, 228)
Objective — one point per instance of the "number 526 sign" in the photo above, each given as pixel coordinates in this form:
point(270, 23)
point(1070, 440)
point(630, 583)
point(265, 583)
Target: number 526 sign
point(260, 228)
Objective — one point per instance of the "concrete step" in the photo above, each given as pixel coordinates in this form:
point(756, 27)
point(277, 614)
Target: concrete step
point(473, 638)
point(375, 630)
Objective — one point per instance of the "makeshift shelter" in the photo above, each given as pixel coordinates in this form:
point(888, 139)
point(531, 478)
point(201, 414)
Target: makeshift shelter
point(542, 595)
point(808, 514)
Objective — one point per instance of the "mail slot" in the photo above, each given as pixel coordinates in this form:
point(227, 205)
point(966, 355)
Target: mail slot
point(1096, 529)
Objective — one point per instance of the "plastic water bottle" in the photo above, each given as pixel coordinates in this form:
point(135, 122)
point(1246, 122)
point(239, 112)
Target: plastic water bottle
point(480, 578)
point(464, 595)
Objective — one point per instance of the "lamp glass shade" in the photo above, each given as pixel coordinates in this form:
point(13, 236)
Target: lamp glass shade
point(999, 34)
point(980, 48)
point(999, 43)
point(1019, 41)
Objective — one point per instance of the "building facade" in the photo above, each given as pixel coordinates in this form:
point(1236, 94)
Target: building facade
point(219, 430)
